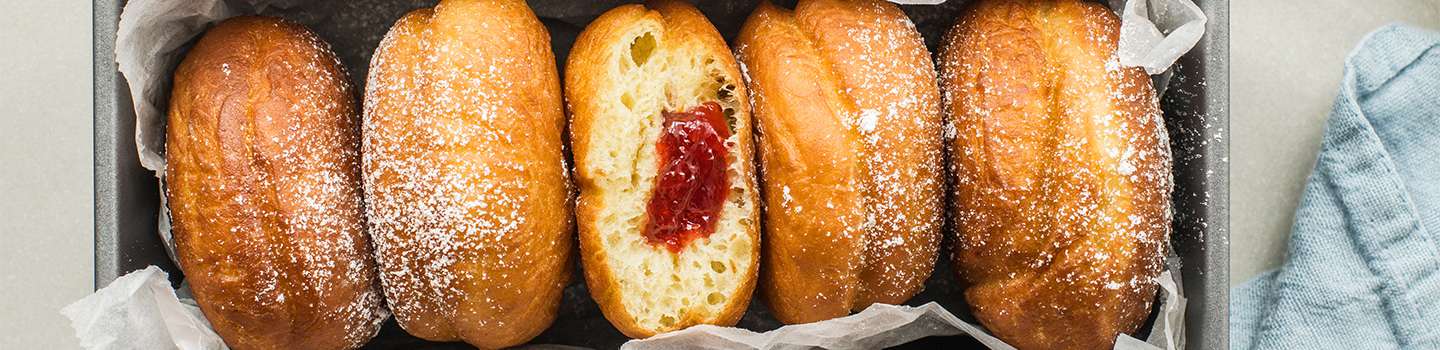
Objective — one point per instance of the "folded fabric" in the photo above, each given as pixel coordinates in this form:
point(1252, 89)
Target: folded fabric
point(1361, 271)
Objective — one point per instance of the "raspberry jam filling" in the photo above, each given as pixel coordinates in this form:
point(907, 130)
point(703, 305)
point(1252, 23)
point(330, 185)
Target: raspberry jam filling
point(691, 187)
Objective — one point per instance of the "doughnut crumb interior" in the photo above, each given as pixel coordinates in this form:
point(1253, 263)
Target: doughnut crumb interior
point(629, 70)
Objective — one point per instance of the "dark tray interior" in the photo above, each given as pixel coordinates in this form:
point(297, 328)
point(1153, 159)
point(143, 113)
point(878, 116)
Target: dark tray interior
point(1195, 107)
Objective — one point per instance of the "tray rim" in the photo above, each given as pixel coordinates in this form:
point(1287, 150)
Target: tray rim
point(106, 17)
point(1214, 323)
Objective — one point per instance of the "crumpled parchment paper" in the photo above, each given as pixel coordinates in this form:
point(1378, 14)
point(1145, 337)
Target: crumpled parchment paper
point(1155, 33)
point(882, 326)
point(152, 35)
point(140, 311)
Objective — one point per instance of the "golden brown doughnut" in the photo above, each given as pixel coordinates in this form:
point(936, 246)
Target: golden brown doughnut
point(1062, 173)
point(263, 185)
point(848, 111)
point(465, 173)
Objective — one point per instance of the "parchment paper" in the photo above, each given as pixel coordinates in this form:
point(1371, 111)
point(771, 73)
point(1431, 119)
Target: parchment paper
point(153, 35)
point(140, 311)
point(1155, 33)
point(882, 326)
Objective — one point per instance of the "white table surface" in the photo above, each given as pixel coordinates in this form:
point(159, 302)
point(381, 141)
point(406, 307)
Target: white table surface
point(1285, 66)
point(46, 158)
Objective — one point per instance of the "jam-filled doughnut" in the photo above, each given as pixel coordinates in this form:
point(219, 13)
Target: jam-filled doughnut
point(661, 132)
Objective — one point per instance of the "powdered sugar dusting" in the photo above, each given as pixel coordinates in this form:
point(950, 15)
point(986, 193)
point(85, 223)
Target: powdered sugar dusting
point(868, 118)
point(890, 79)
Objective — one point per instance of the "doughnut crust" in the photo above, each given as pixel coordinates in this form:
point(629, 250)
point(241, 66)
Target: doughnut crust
point(263, 186)
point(469, 200)
point(850, 150)
point(1062, 173)
point(629, 67)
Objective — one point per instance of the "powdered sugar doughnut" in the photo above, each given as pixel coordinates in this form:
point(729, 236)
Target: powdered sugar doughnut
point(1062, 174)
point(263, 169)
point(849, 121)
point(469, 201)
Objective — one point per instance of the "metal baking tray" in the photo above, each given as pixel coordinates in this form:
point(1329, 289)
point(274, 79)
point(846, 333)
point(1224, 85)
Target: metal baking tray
point(1196, 107)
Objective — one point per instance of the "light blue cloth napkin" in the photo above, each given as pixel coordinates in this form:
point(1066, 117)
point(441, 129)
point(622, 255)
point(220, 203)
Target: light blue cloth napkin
point(1363, 270)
